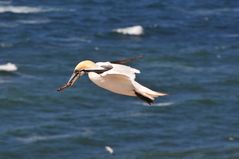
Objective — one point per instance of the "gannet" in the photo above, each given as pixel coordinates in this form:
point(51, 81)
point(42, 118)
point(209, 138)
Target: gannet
point(113, 76)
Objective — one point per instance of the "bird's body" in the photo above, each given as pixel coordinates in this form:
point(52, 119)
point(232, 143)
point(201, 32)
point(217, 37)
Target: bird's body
point(114, 83)
point(119, 79)
point(116, 78)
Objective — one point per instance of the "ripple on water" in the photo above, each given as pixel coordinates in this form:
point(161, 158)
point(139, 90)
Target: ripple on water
point(38, 138)
point(25, 9)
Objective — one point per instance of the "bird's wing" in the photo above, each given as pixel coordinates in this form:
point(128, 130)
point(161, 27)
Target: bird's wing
point(99, 69)
point(118, 69)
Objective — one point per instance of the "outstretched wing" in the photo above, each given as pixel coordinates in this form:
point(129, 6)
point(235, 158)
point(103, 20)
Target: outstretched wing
point(118, 69)
point(99, 69)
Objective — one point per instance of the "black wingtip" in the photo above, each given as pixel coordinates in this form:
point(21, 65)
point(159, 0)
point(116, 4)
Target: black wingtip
point(146, 99)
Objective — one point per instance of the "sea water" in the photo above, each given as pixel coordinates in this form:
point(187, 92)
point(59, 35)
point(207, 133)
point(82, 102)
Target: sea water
point(190, 51)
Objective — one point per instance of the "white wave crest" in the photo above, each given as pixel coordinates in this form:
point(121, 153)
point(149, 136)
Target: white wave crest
point(9, 67)
point(37, 138)
point(21, 9)
point(37, 21)
point(109, 149)
point(164, 104)
point(133, 30)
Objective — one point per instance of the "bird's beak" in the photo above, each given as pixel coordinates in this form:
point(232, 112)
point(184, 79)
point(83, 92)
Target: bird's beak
point(74, 77)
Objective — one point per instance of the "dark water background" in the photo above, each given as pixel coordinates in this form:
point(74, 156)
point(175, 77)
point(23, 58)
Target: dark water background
point(191, 51)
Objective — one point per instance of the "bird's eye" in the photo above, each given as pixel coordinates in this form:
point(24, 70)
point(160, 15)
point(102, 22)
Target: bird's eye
point(76, 71)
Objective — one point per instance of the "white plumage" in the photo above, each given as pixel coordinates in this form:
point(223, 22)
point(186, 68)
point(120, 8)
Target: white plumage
point(116, 78)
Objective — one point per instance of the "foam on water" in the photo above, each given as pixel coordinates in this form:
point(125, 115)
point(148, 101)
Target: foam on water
point(109, 149)
point(74, 39)
point(160, 104)
point(84, 132)
point(199, 75)
point(23, 9)
point(9, 67)
point(34, 21)
point(133, 30)
point(36, 138)
point(165, 104)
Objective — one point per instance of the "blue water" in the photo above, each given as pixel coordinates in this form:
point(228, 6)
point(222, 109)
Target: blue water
point(191, 52)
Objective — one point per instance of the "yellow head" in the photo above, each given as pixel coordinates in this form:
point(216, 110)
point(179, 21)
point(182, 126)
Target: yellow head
point(86, 64)
point(78, 72)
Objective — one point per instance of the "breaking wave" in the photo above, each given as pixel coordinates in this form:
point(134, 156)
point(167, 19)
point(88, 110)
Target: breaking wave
point(133, 30)
point(9, 67)
point(22, 9)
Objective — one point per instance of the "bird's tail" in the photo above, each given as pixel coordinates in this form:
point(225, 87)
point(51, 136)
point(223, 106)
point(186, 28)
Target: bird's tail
point(145, 93)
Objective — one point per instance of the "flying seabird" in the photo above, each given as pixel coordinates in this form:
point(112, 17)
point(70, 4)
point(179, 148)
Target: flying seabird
point(115, 77)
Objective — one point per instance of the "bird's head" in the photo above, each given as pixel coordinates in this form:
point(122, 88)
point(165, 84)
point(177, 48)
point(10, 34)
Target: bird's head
point(86, 64)
point(78, 72)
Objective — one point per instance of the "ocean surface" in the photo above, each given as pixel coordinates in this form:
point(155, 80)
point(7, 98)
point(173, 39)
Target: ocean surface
point(191, 52)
